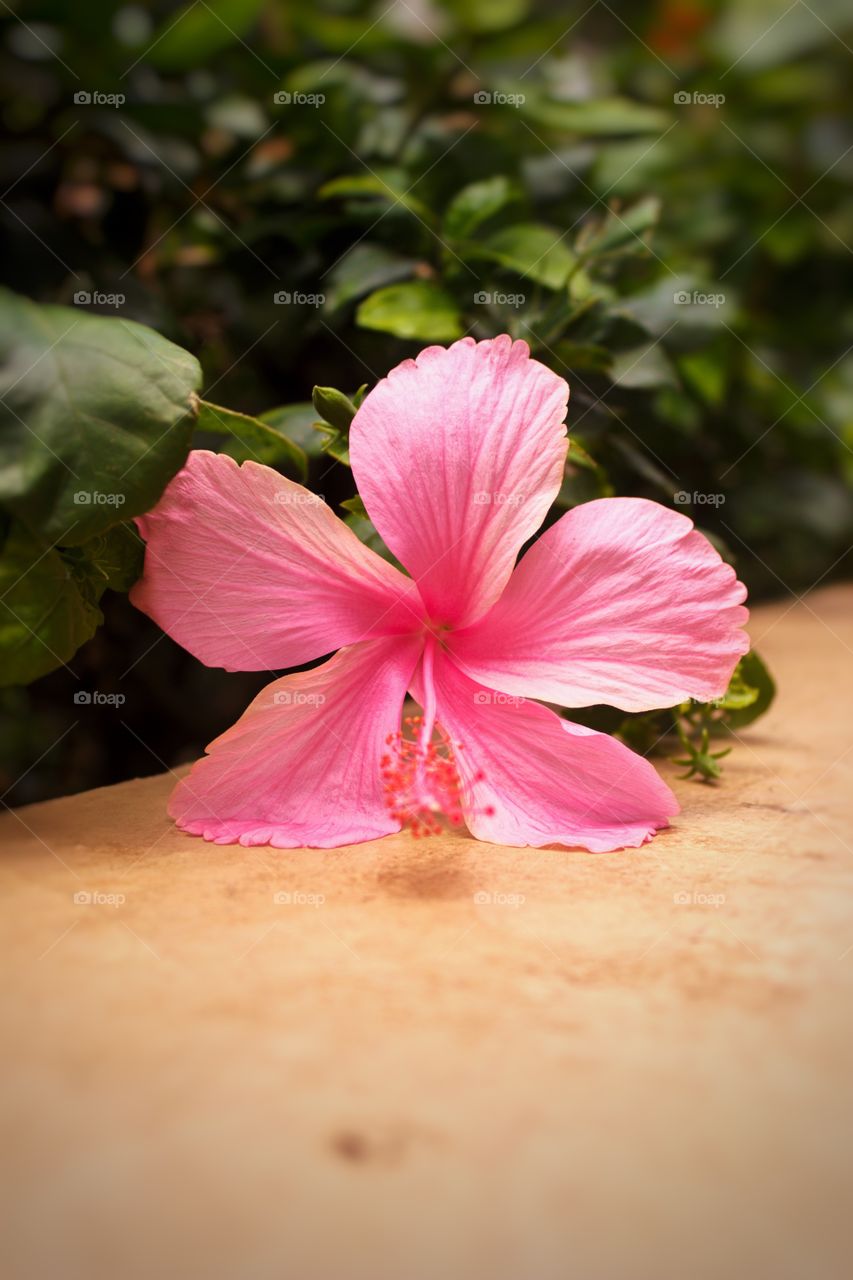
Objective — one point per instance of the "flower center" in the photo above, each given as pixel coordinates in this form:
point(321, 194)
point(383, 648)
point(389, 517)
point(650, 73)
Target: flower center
point(437, 632)
point(419, 773)
point(420, 779)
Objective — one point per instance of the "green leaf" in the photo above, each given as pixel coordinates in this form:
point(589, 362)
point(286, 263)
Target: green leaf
point(583, 478)
point(751, 673)
point(620, 229)
point(679, 298)
point(366, 267)
point(579, 457)
point(419, 310)
point(253, 440)
point(597, 118)
point(476, 203)
point(200, 31)
point(356, 507)
point(48, 608)
point(630, 167)
point(96, 418)
point(483, 16)
point(534, 251)
point(706, 374)
point(339, 32)
point(390, 184)
point(298, 423)
point(755, 36)
point(643, 367)
point(738, 696)
point(355, 80)
point(334, 442)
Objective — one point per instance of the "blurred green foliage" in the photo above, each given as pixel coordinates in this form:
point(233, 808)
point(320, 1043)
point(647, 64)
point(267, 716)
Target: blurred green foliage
point(656, 196)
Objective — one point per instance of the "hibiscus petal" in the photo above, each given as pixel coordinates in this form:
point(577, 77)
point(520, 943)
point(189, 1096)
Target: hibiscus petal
point(251, 572)
point(530, 778)
point(458, 455)
point(620, 602)
point(301, 766)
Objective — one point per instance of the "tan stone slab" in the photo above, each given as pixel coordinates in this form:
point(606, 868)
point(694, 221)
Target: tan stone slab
point(388, 1078)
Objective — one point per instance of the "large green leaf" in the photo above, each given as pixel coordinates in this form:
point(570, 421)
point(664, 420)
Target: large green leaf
point(420, 309)
point(48, 608)
point(95, 419)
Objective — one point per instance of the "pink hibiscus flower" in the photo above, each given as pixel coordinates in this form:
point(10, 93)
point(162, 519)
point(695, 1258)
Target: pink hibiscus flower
point(458, 456)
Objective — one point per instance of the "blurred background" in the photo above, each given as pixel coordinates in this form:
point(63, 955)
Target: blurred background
point(656, 196)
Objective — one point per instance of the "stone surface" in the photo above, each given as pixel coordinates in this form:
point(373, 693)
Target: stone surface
point(624, 1065)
